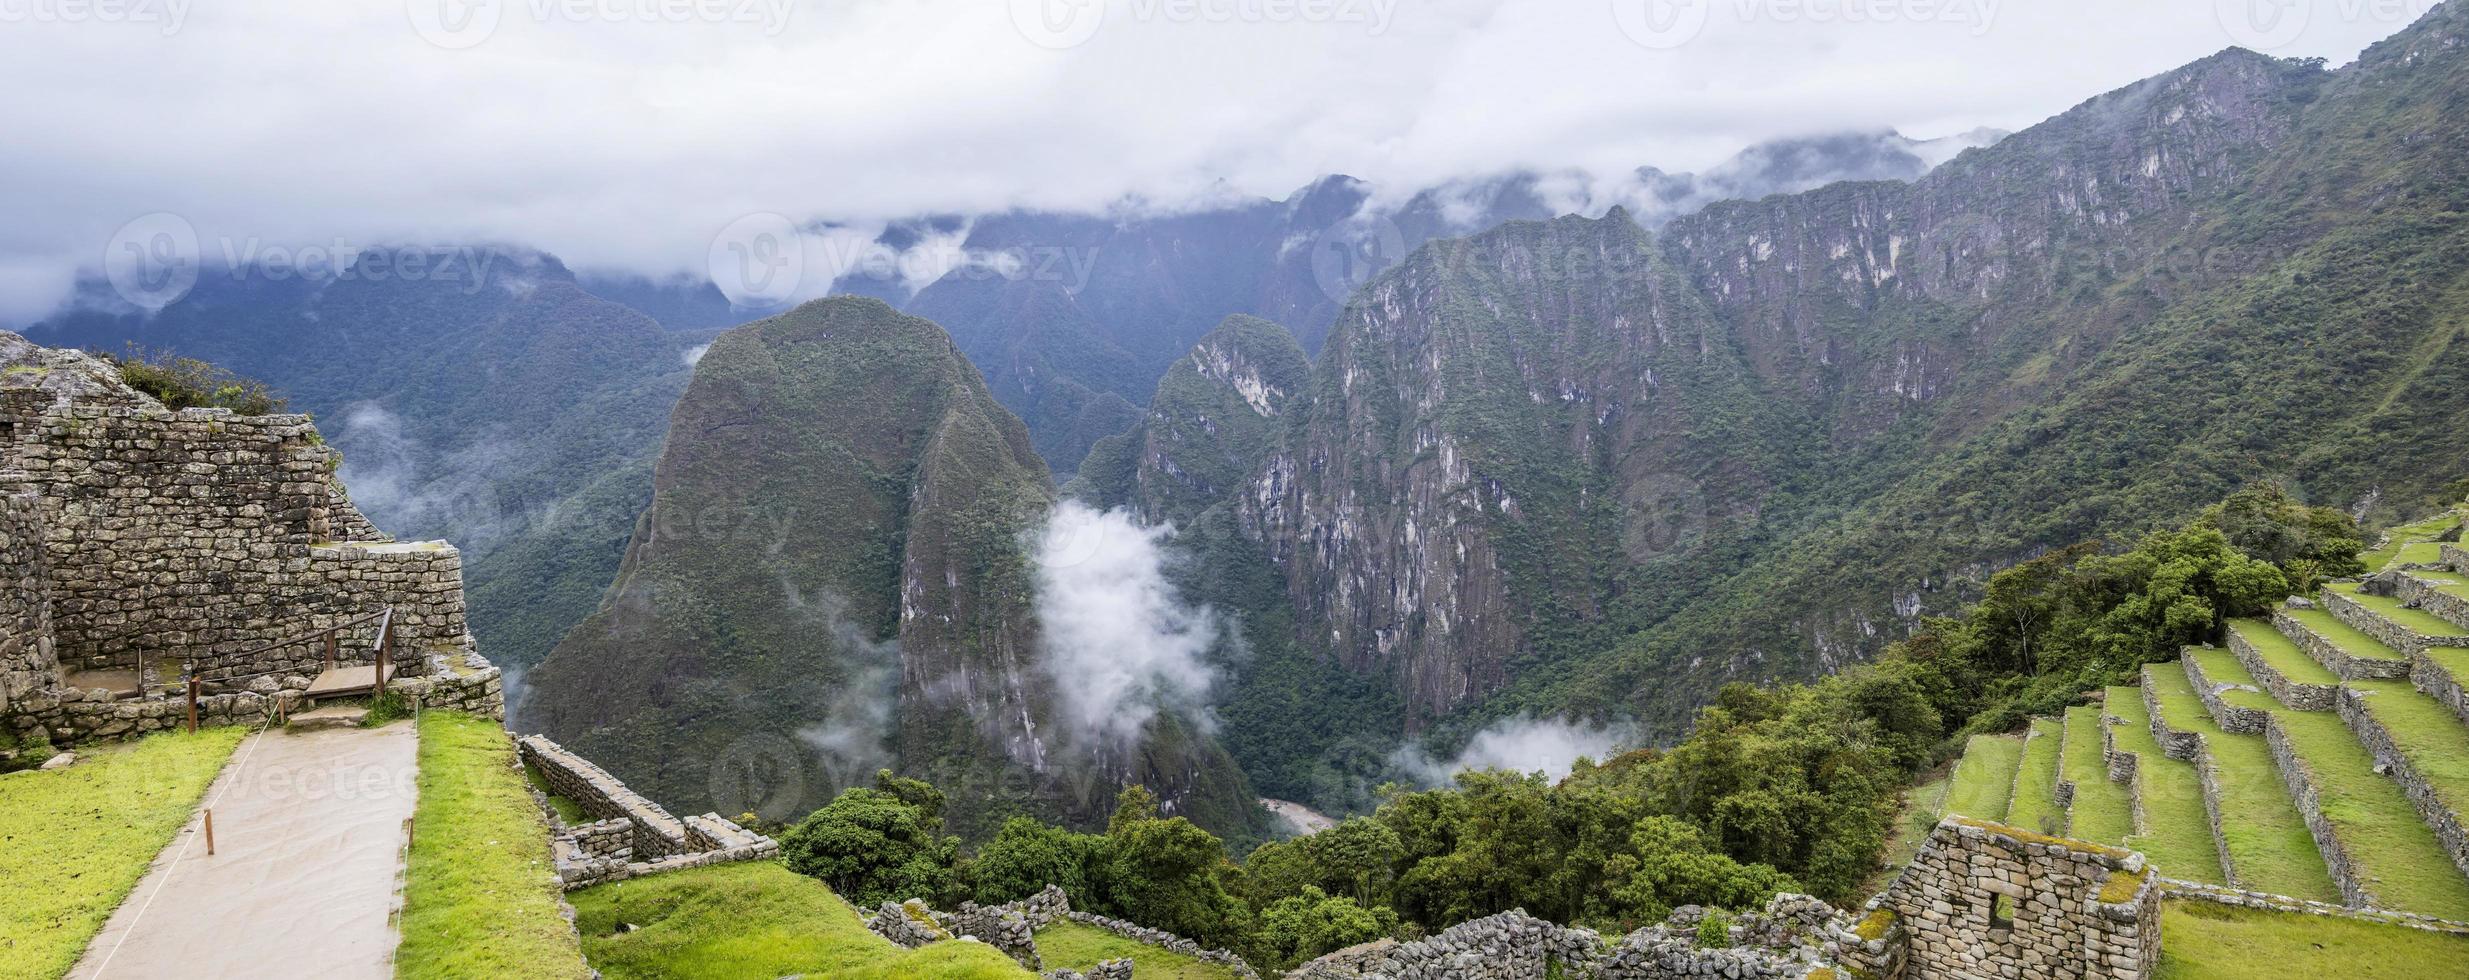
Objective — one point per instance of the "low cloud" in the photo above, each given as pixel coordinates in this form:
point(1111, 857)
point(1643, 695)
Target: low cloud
point(1550, 746)
point(1120, 642)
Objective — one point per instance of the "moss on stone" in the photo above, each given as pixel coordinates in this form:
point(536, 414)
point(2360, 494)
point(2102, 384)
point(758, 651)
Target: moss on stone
point(1873, 926)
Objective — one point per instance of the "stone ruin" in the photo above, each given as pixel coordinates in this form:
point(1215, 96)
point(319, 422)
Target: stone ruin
point(1795, 936)
point(1012, 928)
point(140, 545)
point(1983, 901)
point(629, 836)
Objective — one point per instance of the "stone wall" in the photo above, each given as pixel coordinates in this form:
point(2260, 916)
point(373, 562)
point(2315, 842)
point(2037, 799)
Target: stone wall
point(2387, 632)
point(2301, 783)
point(1795, 936)
point(199, 534)
point(2195, 749)
point(657, 841)
point(459, 680)
point(2456, 558)
point(2419, 593)
point(1985, 900)
point(2297, 695)
point(27, 661)
point(2326, 652)
point(2439, 684)
point(2218, 895)
point(2432, 808)
point(2231, 718)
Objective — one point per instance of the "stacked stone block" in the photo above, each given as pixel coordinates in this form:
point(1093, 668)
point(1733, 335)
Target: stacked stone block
point(1989, 901)
point(656, 842)
point(27, 661)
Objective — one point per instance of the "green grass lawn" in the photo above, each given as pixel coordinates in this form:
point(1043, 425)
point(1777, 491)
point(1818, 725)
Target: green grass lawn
point(2035, 803)
point(2204, 941)
point(1070, 945)
point(2282, 654)
point(2102, 812)
point(112, 813)
point(2451, 660)
point(1985, 777)
point(2348, 638)
point(2178, 831)
point(2433, 739)
point(2269, 846)
point(479, 896)
point(2420, 553)
point(2417, 620)
point(756, 919)
point(2398, 856)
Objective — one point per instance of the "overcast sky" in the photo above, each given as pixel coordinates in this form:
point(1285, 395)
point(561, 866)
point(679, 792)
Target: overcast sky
point(626, 133)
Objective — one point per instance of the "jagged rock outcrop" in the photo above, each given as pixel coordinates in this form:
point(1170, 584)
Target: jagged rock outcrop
point(1217, 415)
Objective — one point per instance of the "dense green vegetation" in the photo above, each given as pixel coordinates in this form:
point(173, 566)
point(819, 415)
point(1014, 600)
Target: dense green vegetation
point(479, 898)
point(114, 810)
point(1790, 788)
point(754, 919)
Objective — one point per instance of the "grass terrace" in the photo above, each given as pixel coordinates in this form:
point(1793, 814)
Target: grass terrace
point(2222, 667)
point(756, 919)
point(2348, 638)
point(1985, 777)
point(2281, 653)
point(2451, 660)
point(114, 810)
point(2431, 737)
point(2204, 941)
point(479, 896)
point(2102, 812)
point(2035, 797)
point(1072, 946)
point(2389, 608)
point(2388, 845)
point(2269, 846)
point(2178, 830)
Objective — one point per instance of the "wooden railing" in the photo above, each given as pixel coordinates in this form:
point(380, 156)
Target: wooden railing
point(330, 637)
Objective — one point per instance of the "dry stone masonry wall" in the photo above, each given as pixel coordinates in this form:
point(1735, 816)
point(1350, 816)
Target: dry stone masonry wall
point(1796, 936)
point(147, 542)
point(1989, 901)
point(27, 661)
point(653, 841)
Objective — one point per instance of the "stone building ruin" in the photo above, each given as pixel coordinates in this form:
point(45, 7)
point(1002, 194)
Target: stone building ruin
point(141, 546)
point(1983, 901)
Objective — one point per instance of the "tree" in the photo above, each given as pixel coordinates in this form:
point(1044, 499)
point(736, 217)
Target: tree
point(1025, 856)
point(1311, 923)
point(873, 846)
point(1167, 873)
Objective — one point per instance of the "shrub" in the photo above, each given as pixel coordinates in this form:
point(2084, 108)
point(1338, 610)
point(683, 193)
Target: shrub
point(186, 382)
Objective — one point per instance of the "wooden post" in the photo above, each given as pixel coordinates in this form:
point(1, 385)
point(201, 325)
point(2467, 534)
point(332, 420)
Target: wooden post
point(209, 833)
point(193, 683)
point(330, 649)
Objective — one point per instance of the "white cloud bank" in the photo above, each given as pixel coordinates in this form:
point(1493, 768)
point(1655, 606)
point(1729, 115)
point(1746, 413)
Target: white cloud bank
point(629, 135)
point(1550, 746)
point(1120, 643)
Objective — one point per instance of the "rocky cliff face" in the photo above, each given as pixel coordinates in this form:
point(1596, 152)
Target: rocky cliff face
point(1573, 467)
point(1217, 415)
